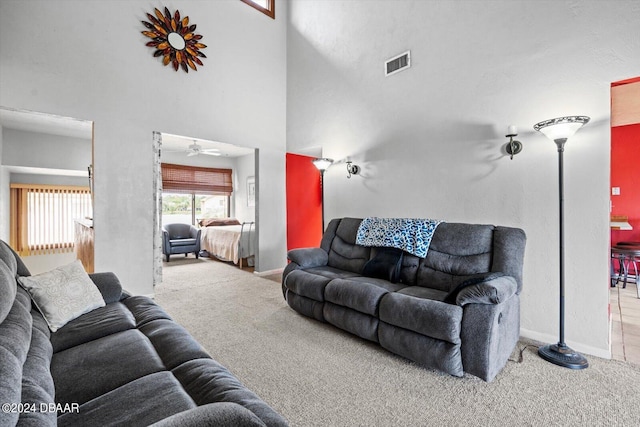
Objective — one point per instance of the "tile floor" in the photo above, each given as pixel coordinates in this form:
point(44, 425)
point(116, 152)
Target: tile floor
point(625, 313)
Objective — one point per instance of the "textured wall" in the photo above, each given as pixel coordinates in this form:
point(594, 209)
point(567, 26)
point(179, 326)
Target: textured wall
point(430, 140)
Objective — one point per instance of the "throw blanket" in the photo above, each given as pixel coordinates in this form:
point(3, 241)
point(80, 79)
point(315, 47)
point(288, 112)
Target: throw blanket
point(409, 234)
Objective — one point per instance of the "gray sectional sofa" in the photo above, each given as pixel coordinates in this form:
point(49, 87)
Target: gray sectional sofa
point(125, 363)
point(456, 310)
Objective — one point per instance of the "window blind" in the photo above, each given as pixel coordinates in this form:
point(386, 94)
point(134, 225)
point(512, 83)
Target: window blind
point(198, 180)
point(43, 216)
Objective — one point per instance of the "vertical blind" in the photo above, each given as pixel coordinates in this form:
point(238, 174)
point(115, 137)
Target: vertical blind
point(43, 216)
point(198, 180)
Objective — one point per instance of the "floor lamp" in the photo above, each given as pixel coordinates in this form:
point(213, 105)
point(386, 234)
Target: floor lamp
point(322, 164)
point(559, 130)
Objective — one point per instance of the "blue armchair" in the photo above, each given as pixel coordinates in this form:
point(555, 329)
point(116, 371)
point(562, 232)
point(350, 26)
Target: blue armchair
point(180, 239)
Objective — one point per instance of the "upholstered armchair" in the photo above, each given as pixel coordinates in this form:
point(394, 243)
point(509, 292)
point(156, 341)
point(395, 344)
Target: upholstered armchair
point(180, 239)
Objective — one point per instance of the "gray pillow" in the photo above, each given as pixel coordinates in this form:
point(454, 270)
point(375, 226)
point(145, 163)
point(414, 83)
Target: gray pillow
point(63, 294)
point(386, 264)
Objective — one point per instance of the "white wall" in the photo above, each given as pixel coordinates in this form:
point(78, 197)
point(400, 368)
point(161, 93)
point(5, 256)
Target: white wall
point(40, 150)
point(430, 139)
point(89, 60)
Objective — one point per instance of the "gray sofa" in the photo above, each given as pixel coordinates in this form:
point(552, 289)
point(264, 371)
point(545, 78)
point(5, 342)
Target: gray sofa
point(456, 310)
point(126, 363)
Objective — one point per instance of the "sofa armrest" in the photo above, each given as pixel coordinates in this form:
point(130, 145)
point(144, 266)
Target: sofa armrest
point(308, 257)
point(489, 288)
point(494, 291)
point(109, 286)
point(212, 414)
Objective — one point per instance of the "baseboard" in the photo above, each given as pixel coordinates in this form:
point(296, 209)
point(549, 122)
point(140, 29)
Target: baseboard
point(269, 272)
point(552, 339)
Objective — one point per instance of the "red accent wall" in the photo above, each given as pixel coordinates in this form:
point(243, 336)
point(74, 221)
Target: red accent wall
point(304, 203)
point(625, 173)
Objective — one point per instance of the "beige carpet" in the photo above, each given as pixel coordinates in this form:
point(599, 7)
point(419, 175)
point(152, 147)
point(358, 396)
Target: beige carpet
point(316, 375)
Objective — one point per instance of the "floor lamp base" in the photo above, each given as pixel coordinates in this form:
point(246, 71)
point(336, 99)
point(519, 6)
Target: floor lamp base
point(564, 356)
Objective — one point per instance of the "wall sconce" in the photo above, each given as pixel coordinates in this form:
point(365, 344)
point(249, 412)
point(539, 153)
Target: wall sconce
point(352, 169)
point(513, 146)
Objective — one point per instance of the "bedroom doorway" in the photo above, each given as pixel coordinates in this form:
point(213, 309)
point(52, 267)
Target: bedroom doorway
point(46, 161)
point(232, 196)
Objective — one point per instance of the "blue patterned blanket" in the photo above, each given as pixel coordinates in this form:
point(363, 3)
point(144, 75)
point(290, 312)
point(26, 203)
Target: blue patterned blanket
point(409, 234)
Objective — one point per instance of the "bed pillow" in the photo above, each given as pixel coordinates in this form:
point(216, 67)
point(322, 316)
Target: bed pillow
point(210, 222)
point(63, 294)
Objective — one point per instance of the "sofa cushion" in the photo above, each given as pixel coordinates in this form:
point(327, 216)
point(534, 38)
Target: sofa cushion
point(63, 294)
point(15, 339)
point(425, 293)
point(332, 272)
point(140, 402)
point(97, 367)
point(344, 254)
point(361, 294)
point(7, 289)
point(109, 286)
point(172, 342)
point(307, 284)
point(456, 251)
point(144, 310)
point(427, 317)
point(37, 382)
point(96, 324)
point(213, 414)
point(385, 264)
point(207, 381)
point(7, 256)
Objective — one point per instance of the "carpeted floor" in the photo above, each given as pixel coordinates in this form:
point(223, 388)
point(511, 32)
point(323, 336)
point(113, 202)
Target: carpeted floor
point(317, 375)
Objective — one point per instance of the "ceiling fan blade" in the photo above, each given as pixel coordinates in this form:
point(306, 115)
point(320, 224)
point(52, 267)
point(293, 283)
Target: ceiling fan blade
point(192, 153)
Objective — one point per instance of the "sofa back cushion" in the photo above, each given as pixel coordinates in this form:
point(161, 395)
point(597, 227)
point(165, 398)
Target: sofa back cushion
point(15, 340)
point(456, 252)
point(340, 243)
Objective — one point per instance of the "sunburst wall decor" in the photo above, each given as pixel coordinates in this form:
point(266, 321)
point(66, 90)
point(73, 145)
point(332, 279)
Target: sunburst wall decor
point(174, 39)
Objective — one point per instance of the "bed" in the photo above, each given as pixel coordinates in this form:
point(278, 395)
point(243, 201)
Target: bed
point(229, 240)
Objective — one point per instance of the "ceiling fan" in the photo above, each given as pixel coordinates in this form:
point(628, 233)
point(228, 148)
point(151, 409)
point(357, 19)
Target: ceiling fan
point(196, 149)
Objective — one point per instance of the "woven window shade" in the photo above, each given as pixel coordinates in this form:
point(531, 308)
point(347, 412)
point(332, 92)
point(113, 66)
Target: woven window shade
point(190, 179)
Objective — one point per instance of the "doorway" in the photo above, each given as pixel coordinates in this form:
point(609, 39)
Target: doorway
point(40, 152)
point(625, 213)
point(184, 151)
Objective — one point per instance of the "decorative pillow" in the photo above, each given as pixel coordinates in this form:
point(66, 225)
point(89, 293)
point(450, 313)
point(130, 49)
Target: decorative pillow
point(207, 222)
point(63, 294)
point(386, 264)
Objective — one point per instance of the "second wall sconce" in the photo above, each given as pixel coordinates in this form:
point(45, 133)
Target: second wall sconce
point(352, 169)
point(513, 147)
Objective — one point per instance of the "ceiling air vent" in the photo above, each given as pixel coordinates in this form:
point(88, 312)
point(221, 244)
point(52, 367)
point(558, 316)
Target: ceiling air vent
point(397, 63)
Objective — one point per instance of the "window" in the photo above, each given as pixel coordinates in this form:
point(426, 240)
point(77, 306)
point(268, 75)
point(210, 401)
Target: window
point(268, 7)
point(43, 217)
point(190, 208)
point(192, 193)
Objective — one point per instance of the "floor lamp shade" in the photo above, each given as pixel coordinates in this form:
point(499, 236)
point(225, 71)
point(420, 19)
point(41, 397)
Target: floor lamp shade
point(322, 163)
point(559, 130)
